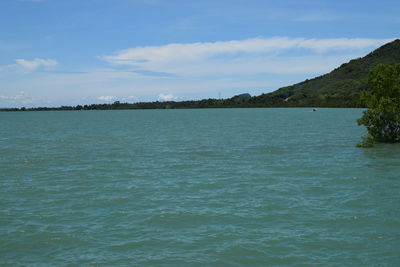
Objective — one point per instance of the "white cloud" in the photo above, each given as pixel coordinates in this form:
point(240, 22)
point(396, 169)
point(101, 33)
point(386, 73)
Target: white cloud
point(195, 51)
point(166, 97)
point(106, 98)
point(19, 98)
point(256, 55)
point(36, 63)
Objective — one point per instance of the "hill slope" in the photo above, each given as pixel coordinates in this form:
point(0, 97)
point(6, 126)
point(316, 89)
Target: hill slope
point(339, 88)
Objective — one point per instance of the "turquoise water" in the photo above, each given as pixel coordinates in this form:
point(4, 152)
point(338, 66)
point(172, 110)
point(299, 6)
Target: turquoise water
point(208, 187)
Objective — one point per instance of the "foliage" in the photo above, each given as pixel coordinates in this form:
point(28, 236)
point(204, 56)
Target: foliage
point(367, 141)
point(342, 86)
point(382, 118)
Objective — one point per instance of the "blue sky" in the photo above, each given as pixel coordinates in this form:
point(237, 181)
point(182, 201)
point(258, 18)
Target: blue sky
point(69, 52)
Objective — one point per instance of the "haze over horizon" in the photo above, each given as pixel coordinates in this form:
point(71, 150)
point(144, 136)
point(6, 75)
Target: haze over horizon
point(73, 52)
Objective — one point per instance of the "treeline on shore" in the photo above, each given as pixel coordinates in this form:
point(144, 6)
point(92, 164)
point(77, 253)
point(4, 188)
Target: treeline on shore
point(262, 101)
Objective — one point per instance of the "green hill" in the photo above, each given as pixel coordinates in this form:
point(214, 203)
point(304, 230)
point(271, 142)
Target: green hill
point(339, 88)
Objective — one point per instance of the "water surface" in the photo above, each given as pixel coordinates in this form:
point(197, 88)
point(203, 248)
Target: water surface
point(196, 187)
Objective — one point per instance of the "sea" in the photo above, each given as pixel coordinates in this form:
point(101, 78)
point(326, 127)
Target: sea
point(196, 187)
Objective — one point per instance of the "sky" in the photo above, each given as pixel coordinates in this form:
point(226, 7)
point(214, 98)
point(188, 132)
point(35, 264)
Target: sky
point(70, 52)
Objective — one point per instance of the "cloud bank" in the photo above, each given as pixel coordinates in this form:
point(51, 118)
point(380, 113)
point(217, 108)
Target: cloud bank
point(166, 97)
point(19, 98)
point(36, 63)
point(239, 56)
point(106, 98)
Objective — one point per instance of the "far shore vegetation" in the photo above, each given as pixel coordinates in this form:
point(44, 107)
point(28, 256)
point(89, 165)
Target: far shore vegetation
point(382, 118)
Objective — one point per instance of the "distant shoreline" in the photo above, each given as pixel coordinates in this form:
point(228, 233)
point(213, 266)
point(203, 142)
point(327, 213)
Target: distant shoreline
point(199, 104)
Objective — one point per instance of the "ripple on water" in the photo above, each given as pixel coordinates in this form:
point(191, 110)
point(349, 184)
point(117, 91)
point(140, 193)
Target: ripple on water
point(204, 187)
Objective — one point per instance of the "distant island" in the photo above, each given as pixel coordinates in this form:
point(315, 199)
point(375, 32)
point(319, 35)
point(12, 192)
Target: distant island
point(339, 88)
